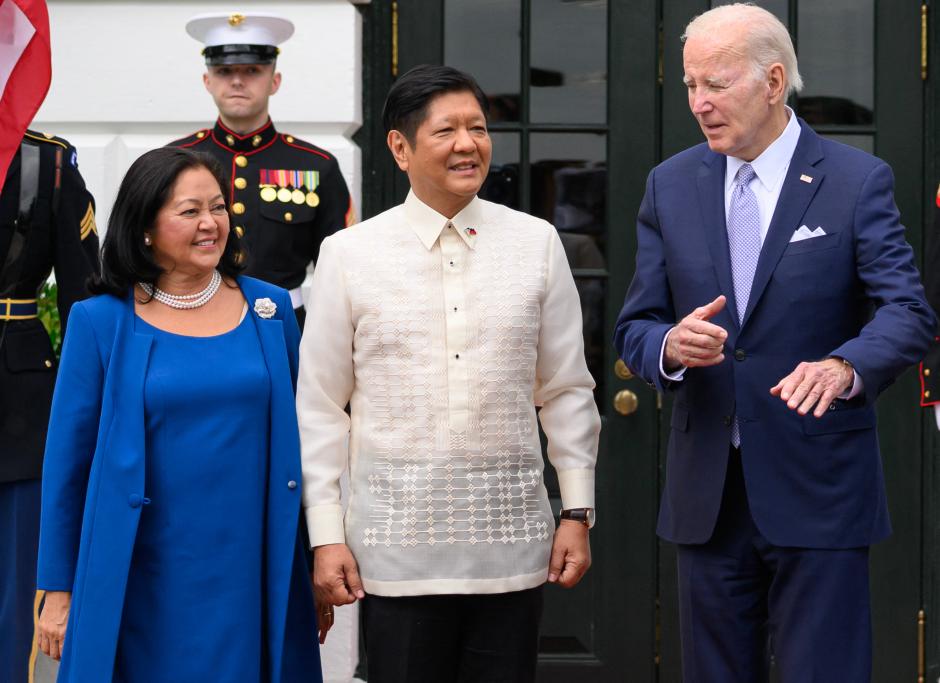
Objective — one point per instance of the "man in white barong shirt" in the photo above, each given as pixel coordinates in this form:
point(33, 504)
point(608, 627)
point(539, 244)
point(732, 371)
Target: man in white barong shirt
point(443, 323)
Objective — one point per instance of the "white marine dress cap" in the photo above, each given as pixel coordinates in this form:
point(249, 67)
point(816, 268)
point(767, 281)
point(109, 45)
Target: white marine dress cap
point(240, 38)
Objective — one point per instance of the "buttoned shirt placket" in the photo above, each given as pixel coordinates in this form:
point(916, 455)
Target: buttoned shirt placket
point(454, 254)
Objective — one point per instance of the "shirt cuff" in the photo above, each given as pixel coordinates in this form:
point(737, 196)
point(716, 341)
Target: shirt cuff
point(577, 488)
point(325, 525)
point(858, 386)
point(55, 584)
point(675, 376)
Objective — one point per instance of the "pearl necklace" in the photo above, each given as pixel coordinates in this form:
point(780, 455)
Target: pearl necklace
point(184, 301)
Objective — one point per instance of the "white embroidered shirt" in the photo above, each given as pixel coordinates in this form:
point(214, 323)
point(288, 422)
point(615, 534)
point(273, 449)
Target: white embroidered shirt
point(443, 336)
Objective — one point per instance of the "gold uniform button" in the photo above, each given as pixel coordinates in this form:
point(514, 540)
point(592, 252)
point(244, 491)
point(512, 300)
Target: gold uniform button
point(238, 208)
point(240, 231)
point(289, 138)
point(288, 216)
point(926, 372)
point(256, 140)
point(48, 363)
point(201, 134)
point(230, 140)
point(241, 161)
point(927, 394)
point(241, 183)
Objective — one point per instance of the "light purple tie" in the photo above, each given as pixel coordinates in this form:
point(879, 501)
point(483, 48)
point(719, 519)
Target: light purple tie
point(744, 245)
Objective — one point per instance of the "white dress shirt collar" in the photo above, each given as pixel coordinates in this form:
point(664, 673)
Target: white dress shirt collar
point(772, 164)
point(428, 223)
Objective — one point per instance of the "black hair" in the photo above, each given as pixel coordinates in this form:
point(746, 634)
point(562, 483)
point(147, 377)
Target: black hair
point(146, 188)
point(406, 105)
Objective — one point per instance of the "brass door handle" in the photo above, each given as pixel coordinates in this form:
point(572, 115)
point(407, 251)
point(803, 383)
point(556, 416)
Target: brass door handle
point(621, 370)
point(626, 402)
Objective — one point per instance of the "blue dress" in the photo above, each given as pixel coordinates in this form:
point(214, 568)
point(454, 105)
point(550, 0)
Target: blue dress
point(207, 420)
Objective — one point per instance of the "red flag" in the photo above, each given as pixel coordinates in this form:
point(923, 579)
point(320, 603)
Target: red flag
point(25, 71)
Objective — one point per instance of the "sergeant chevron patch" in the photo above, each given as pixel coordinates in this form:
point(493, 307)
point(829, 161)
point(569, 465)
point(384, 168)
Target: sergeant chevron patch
point(87, 224)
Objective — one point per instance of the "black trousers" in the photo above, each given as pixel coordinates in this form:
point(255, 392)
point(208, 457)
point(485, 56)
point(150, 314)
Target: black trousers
point(453, 638)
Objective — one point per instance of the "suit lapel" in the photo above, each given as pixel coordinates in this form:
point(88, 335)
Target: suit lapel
point(109, 545)
point(281, 522)
point(711, 194)
point(273, 347)
point(271, 334)
point(795, 196)
point(131, 359)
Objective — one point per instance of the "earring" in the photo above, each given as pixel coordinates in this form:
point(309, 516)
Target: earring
point(147, 240)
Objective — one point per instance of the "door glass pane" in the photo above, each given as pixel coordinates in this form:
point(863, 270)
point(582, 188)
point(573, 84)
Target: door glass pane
point(569, 61)
point(569, 189)
point(502, 182)
point(592, 291)
point(866, 143)
point(837, 61)
point(483, 38)
point(778, 8)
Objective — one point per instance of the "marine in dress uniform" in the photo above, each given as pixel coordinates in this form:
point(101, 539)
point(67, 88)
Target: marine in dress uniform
point(930, 366)
point(286, 194)
point(47, 221)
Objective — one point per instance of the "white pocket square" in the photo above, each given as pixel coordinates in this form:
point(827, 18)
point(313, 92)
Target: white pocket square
point(805, 233)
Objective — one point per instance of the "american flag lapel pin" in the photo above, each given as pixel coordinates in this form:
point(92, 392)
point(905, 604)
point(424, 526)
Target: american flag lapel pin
point(806, 178)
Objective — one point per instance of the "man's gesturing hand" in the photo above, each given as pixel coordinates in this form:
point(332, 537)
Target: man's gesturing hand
point(695, 342)
point(815, 384)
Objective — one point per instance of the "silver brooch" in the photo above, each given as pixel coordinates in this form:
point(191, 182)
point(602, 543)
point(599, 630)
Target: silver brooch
point(265, 308)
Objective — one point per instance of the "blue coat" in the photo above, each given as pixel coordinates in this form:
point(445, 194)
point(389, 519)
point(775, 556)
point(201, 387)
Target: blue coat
point(93, 486)
point(853, 293)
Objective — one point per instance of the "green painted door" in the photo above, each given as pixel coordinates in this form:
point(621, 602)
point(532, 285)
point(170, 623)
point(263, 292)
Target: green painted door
point(587, 97)
point(572, 113)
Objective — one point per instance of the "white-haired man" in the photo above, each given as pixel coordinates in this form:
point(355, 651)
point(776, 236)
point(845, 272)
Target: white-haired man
point(775, 295)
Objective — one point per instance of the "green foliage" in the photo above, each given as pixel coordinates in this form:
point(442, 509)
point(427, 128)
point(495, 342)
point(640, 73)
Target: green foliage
point(49, 315)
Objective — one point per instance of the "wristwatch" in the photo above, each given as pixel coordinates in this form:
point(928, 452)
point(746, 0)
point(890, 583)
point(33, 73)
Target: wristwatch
point(583, 515)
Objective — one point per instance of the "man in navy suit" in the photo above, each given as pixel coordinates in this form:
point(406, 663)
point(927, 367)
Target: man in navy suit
point(776, 296)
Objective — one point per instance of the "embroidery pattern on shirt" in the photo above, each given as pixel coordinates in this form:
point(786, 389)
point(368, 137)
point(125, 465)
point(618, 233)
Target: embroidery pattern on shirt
point(429, 483)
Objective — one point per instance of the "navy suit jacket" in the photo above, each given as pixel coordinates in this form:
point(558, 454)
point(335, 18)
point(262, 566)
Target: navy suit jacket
point(854, 293)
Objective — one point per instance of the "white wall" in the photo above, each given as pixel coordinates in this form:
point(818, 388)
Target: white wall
point(127, 78)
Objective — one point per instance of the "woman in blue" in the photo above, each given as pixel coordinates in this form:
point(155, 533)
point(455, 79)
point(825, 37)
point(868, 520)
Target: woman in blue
point(169, 546)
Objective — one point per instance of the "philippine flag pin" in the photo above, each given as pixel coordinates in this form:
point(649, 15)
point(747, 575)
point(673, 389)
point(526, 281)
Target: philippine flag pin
point(470, 231)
